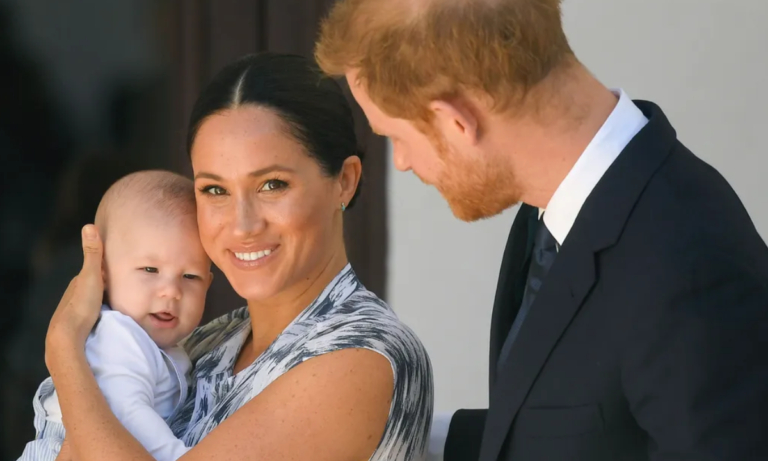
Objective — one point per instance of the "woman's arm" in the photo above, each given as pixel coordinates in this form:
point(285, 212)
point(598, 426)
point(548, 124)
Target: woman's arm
point(333, 407)
point(65, 454)
point(330, 408)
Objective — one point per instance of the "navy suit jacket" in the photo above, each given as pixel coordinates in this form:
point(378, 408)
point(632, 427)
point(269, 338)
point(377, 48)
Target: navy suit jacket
point(649, 337)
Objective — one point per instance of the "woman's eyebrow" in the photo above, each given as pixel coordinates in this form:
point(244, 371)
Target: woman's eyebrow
point(257, 173)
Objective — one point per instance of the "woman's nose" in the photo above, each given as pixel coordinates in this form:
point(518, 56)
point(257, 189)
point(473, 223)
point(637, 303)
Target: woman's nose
point(248, 220)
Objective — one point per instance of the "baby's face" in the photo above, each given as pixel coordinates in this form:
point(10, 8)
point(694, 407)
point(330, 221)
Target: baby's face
point(158, 274)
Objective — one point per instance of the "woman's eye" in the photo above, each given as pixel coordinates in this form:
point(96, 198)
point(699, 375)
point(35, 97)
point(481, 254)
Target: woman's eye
point(213, 190)
point(273, 184)
point(192, 277)
point(151, 270)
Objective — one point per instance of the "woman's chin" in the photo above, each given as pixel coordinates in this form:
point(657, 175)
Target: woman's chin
point(253, 294)
point(251, 285)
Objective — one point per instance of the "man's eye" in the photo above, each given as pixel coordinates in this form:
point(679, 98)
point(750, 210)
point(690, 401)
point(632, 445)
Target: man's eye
point(274, 184)
point(151, 270)
point(213, 190)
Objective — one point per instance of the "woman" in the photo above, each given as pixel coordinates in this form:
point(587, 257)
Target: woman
point(315, 367)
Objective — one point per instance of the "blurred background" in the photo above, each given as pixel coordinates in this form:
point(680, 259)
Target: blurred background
point(93, 90)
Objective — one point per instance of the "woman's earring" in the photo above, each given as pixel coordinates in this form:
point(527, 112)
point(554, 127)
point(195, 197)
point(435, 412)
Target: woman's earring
point(343, 206)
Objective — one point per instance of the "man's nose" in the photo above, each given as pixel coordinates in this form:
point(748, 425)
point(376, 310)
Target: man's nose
point(400, 160)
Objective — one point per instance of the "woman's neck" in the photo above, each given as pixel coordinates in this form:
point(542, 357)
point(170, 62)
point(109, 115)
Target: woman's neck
point(270, 317)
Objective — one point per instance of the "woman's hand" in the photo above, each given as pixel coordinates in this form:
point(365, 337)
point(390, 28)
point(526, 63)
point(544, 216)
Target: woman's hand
point(79, 308)
point(93, 431)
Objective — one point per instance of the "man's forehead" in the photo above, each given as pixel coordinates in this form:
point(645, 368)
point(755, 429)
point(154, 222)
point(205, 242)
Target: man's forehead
point(377, 119)
point(359, 92)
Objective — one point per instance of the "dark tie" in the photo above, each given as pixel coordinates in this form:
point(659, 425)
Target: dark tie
point(542, 257)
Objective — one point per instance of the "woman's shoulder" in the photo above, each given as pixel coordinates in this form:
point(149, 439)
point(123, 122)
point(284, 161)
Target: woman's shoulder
point(363, 320)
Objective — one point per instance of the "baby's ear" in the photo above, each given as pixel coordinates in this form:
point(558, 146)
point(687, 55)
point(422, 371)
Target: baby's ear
point(210, 279)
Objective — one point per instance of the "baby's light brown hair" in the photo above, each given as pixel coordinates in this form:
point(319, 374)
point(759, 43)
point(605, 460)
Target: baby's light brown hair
point(168, 194)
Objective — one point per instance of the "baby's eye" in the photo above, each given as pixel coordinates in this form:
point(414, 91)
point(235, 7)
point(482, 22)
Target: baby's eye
point(213, 190)
point(192, 277)
point(151, 270)
point(273, 185)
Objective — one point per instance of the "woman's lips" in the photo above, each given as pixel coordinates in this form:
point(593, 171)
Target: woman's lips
point(252, 259)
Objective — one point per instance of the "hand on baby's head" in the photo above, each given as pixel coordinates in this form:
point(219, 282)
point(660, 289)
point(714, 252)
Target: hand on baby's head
point(156, 270)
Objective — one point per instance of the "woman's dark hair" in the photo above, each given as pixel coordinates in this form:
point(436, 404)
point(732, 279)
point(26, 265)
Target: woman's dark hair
point(312, 104)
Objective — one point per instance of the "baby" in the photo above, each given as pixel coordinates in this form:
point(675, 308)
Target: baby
point(156, 277)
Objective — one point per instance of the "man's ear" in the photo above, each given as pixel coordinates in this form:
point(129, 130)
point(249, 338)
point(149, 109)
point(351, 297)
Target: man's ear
point(457, 119)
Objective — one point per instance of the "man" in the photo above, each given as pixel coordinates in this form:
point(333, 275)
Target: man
point(631, 314)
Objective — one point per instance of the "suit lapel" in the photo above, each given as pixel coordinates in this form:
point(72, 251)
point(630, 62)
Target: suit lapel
point(572, 276)
point(550, 315)
point(512, 264)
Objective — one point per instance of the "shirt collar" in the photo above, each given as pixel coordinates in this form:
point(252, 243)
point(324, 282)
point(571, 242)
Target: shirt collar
point(624, 122)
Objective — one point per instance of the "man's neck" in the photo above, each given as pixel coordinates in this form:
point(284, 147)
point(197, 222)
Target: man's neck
point(542, 150)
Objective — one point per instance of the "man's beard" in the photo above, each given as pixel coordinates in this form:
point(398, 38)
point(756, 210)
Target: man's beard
point(474, 189)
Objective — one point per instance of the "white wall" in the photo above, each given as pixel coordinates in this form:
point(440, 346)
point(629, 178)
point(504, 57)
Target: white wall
point(703, 61)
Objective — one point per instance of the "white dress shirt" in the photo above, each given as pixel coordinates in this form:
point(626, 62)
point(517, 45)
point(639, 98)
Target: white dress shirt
point(624, 122)
point(143, 385)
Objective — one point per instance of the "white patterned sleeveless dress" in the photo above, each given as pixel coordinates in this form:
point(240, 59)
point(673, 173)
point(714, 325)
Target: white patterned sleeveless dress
point(344, 316)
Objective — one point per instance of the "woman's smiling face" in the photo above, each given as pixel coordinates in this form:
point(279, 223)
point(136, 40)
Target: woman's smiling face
point(267, 212)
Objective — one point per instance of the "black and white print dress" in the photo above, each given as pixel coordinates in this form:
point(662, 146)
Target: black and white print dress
point(344, 316)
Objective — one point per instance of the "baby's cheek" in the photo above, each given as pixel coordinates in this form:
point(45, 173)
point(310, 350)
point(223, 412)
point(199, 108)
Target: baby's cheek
point(194, 309)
